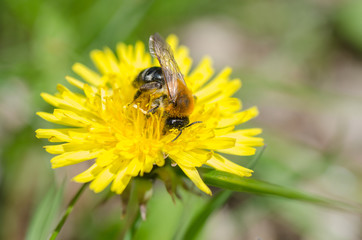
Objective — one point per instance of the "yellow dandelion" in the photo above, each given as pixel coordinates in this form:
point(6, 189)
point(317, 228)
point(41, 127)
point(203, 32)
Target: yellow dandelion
point(123, 141)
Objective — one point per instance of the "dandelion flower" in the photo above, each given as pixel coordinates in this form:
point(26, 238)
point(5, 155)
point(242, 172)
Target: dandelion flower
point(122, 142)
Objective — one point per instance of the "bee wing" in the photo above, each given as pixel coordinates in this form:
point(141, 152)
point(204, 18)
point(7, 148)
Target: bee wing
point(162, 51)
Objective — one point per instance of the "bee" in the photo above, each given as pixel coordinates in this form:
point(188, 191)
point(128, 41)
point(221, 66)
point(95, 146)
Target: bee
point(165, 88)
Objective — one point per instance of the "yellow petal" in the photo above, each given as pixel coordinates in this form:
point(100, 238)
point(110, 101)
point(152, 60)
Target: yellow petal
point(223, 131)
point(193, 158)
point(213, 88)
point(62, 121)
point(142, 59)
point(222, 164)
point(217, 143)
point(89, 174)
point(124, 53)
point(54, 135)
point(102, 180)
point(133, 167)
point(87, 74)
point(194, 176)
point(200, 75)
point(160, 160)
point(239, 150)
point(52, 100)
point(105, 61)
point(70, 158)
point(105, 158)
point(54, 149)
point(238, 118)
point(172, 40)
point(85, 87)
point(245, 142)
point(246, 136)
point(71, 147)
point(121, 181)
point(75, 82)
point(70, 116)
point(228, 105)
point(246, 132)
point(250, 141)
point(183, 60)
point(66, 101)
point(226, 91)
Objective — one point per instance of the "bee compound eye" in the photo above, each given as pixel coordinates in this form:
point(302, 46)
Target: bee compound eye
point(158, 73)
point(153, 74)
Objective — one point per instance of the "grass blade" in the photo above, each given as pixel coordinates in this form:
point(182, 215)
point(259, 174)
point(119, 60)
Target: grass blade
point(240, 184)
point(67, 212)
point(45, 214)
point(198, 221)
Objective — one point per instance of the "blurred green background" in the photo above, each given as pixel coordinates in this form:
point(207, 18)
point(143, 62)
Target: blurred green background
point(300, 62)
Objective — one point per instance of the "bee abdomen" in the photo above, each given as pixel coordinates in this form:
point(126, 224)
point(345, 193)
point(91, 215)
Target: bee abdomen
point(183, 105)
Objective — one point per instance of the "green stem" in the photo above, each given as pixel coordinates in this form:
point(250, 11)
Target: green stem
point(132, 212)
point(67, 212)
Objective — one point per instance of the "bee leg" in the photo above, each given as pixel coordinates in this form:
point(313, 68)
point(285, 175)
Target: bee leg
point(150, 86)
point(157, 103)
point(137, 95)
point(146, 87)
point(153, 110)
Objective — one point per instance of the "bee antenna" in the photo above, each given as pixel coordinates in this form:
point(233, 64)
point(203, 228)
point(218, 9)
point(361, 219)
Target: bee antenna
point(180, 129)
point(179, 134)
point(193, 123)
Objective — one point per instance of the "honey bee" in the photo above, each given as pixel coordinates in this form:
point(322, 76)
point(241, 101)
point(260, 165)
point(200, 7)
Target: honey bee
point(165, 88)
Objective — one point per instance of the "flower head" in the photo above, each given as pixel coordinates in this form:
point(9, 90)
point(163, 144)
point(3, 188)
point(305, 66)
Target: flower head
point(124, 141)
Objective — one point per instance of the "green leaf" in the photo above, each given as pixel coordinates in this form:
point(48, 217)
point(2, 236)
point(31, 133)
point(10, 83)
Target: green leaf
point(255, 160)
point(198, 221)
point(67, 212)
point(45, 214)
point(240, 184)
point(348, 23)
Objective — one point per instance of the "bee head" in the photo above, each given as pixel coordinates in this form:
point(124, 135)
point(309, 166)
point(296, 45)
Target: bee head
point(153, 74)
point(176, 122)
